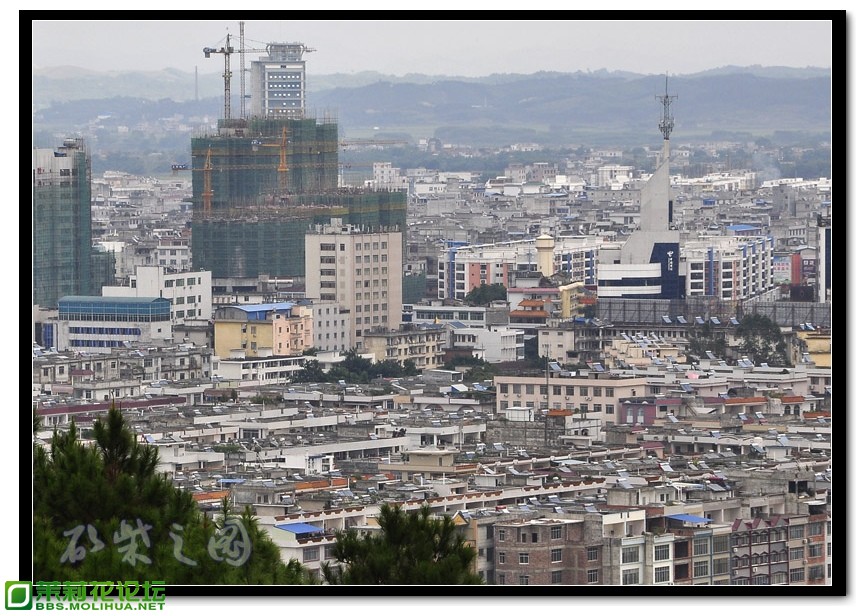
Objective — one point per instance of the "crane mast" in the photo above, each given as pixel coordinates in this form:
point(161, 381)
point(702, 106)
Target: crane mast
point(226, 75)
point(242, 74)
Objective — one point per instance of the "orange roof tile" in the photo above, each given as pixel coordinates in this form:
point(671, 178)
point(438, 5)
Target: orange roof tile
point(205, 496)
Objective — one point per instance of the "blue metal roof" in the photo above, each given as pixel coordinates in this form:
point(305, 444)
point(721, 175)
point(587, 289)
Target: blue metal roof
point(686, 517)
point(261, 307)
point(742, 228)
point(300, 528)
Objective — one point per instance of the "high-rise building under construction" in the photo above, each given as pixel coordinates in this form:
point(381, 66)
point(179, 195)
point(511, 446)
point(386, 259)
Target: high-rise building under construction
point(260, 183)
point(64, 263)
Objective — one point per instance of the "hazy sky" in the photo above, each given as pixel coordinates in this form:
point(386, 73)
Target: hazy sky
point(462, 47)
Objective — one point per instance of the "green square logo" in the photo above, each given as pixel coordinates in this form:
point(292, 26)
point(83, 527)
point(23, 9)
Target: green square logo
point(19, 595)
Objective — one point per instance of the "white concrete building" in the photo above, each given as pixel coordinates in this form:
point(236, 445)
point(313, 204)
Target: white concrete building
point(190, 293)
point(463, 268)
point(728, 267)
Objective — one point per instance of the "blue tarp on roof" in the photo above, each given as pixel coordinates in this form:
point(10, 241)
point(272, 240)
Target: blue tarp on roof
point(299, 528)
point(686, 517)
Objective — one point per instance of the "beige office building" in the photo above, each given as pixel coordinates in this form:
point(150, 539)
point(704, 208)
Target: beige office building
point(361, 270)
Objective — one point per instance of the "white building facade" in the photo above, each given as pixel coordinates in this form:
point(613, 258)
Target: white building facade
point(190, 293)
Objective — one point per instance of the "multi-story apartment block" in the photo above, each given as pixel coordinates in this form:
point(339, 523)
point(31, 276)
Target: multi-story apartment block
point(421, 344)
point(779, 549)
point(262, 330)
point(730, 268)
point(190, 293)
point(331, 324)
point(536, 552)
point(359, 269)
point(592, 395)
point(464, 268)
point(493, 344)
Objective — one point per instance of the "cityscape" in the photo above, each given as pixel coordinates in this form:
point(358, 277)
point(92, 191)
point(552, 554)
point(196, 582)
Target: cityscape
point(292, 357)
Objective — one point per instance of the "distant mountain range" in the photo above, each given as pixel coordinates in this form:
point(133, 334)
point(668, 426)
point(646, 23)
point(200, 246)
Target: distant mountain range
point(546, 107)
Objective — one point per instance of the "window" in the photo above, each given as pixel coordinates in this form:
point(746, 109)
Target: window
point(701, 546)
point(630, 576)
point(721, 566)
point(797, 575)
point(501, 579)
point(592, 576)
point(524, 580)
point(556, 577)
point(721, 544)
point(815, 549)
point(524, 558)
point(797, 532)
point(662, 552)
point(592, 553)
point(310, 554)
point(815, 528)
point(584, 391)
point(556, 555)
point(555, 532)
point(701, 568)
point(610, 392)
point(501, 558)
point(530, 390)
point(662, 574)
point(631, 554)
point(815, 573)
point(610, 409)
point(502, 534)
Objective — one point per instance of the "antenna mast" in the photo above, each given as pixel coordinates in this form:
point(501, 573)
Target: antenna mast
point(666, 124)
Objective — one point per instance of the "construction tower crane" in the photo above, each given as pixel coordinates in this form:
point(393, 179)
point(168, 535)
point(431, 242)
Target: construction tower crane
point(242, 74)
point(207, 193)
point(226, 75)
point(227, 50)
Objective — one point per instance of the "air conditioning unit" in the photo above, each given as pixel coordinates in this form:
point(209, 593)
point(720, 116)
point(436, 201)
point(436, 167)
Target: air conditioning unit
point(567, 397)
point(753, 569)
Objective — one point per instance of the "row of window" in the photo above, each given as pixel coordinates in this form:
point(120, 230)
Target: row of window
point(112, 331)
point(96, 343)
point(569, 390)
point(179, 282)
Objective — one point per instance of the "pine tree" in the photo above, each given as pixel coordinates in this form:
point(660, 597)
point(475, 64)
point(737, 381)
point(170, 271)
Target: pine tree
point(412, 548)
point(88, 499)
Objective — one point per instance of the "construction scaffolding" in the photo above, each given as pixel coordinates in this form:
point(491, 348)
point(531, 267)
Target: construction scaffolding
point(249, 163)
point(61, 222)
point(270, 238)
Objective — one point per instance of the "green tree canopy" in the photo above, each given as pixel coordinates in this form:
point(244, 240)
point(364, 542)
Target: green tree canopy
point(412, 548)
point(101, 511)
point(761, 340)
point(486, 293)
